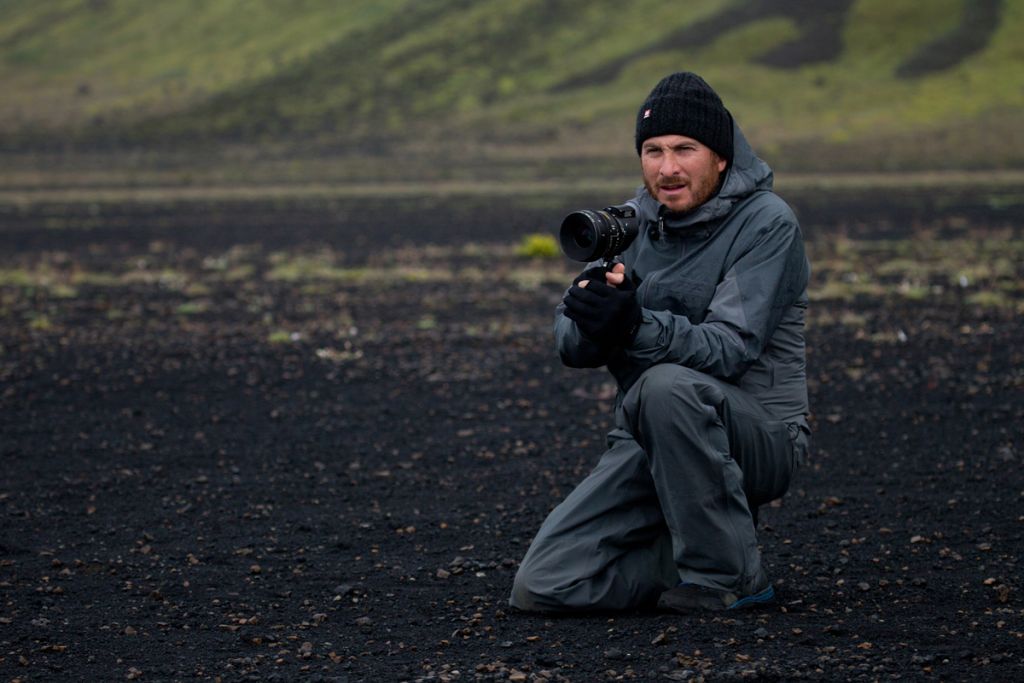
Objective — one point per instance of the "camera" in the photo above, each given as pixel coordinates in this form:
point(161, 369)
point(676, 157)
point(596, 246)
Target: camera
point(588, 234)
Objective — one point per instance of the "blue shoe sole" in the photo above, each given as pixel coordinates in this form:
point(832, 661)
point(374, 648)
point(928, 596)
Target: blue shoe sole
point(762, 598)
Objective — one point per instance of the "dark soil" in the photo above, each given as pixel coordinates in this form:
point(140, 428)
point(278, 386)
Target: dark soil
point(313, 442)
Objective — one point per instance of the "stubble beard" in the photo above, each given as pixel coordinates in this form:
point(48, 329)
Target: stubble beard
point(701, 192)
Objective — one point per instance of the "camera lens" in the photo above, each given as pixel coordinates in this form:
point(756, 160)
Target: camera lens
point(578, 235)
point(588, 235)
point(584, 237)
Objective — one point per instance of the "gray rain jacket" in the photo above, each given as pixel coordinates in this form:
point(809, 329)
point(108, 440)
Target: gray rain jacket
point(723, 290)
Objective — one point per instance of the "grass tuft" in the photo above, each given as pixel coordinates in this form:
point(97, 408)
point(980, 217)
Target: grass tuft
point(538, 245)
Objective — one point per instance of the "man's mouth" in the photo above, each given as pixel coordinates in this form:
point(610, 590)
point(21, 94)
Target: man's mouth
point(671, 187)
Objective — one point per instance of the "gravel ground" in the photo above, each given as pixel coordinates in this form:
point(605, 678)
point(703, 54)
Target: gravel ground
point(259, 442)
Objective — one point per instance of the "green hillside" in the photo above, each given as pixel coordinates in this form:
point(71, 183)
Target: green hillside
point(825, 85)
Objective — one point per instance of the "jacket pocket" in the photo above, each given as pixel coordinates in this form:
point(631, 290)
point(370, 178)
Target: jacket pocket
point(681, 296)
point(760, 375)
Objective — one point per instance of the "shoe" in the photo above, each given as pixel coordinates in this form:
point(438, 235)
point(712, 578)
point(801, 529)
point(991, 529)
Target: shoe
point(690, 597)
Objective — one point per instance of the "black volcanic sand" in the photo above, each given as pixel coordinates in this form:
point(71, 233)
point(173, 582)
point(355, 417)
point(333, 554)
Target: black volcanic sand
point(313, 441)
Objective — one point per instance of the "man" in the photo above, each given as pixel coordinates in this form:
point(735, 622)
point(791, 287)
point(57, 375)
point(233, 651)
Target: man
point(702, 327)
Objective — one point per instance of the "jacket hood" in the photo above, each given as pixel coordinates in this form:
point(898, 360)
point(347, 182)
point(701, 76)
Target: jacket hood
point(746, 174)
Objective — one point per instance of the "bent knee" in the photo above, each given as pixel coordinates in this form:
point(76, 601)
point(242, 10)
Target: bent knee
point(671, 394)
point(668, 382)
point(531, 594)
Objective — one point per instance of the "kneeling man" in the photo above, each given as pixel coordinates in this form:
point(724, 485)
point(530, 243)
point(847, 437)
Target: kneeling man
point(702, 327)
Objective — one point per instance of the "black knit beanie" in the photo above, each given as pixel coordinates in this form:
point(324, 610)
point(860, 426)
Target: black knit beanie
point(683, 104)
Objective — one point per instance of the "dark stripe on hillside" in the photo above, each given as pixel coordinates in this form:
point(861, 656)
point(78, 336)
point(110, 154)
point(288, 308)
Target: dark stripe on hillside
point(978, 23)
point(820, 24)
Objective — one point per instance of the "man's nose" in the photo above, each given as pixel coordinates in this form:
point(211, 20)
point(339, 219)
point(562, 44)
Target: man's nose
point(669, 166)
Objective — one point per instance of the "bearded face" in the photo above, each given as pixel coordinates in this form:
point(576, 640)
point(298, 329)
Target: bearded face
point(680, 172)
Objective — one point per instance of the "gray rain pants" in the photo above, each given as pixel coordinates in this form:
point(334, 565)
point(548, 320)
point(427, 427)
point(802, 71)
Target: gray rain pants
point(670, 499)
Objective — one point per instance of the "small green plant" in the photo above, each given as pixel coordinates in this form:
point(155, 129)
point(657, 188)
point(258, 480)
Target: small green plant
point(990, 299)
point(192, 307)
point(40, 322)
point(538, 245)
point(283, 337)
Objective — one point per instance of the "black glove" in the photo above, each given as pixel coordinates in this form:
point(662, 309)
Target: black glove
point(608, 315)
point(595, 273)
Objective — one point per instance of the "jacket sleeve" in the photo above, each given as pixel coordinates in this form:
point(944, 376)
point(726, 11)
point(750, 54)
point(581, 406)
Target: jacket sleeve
point(764, 279)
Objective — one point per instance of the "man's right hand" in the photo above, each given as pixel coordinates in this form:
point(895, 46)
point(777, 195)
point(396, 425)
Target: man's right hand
point(607, 313)
point(614, 277)
point(595, 273)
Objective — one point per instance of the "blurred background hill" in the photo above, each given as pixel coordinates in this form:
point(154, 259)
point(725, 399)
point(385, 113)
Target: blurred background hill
point(420, 90)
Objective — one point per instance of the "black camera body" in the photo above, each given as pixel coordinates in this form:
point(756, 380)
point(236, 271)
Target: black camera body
point(588, 235)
